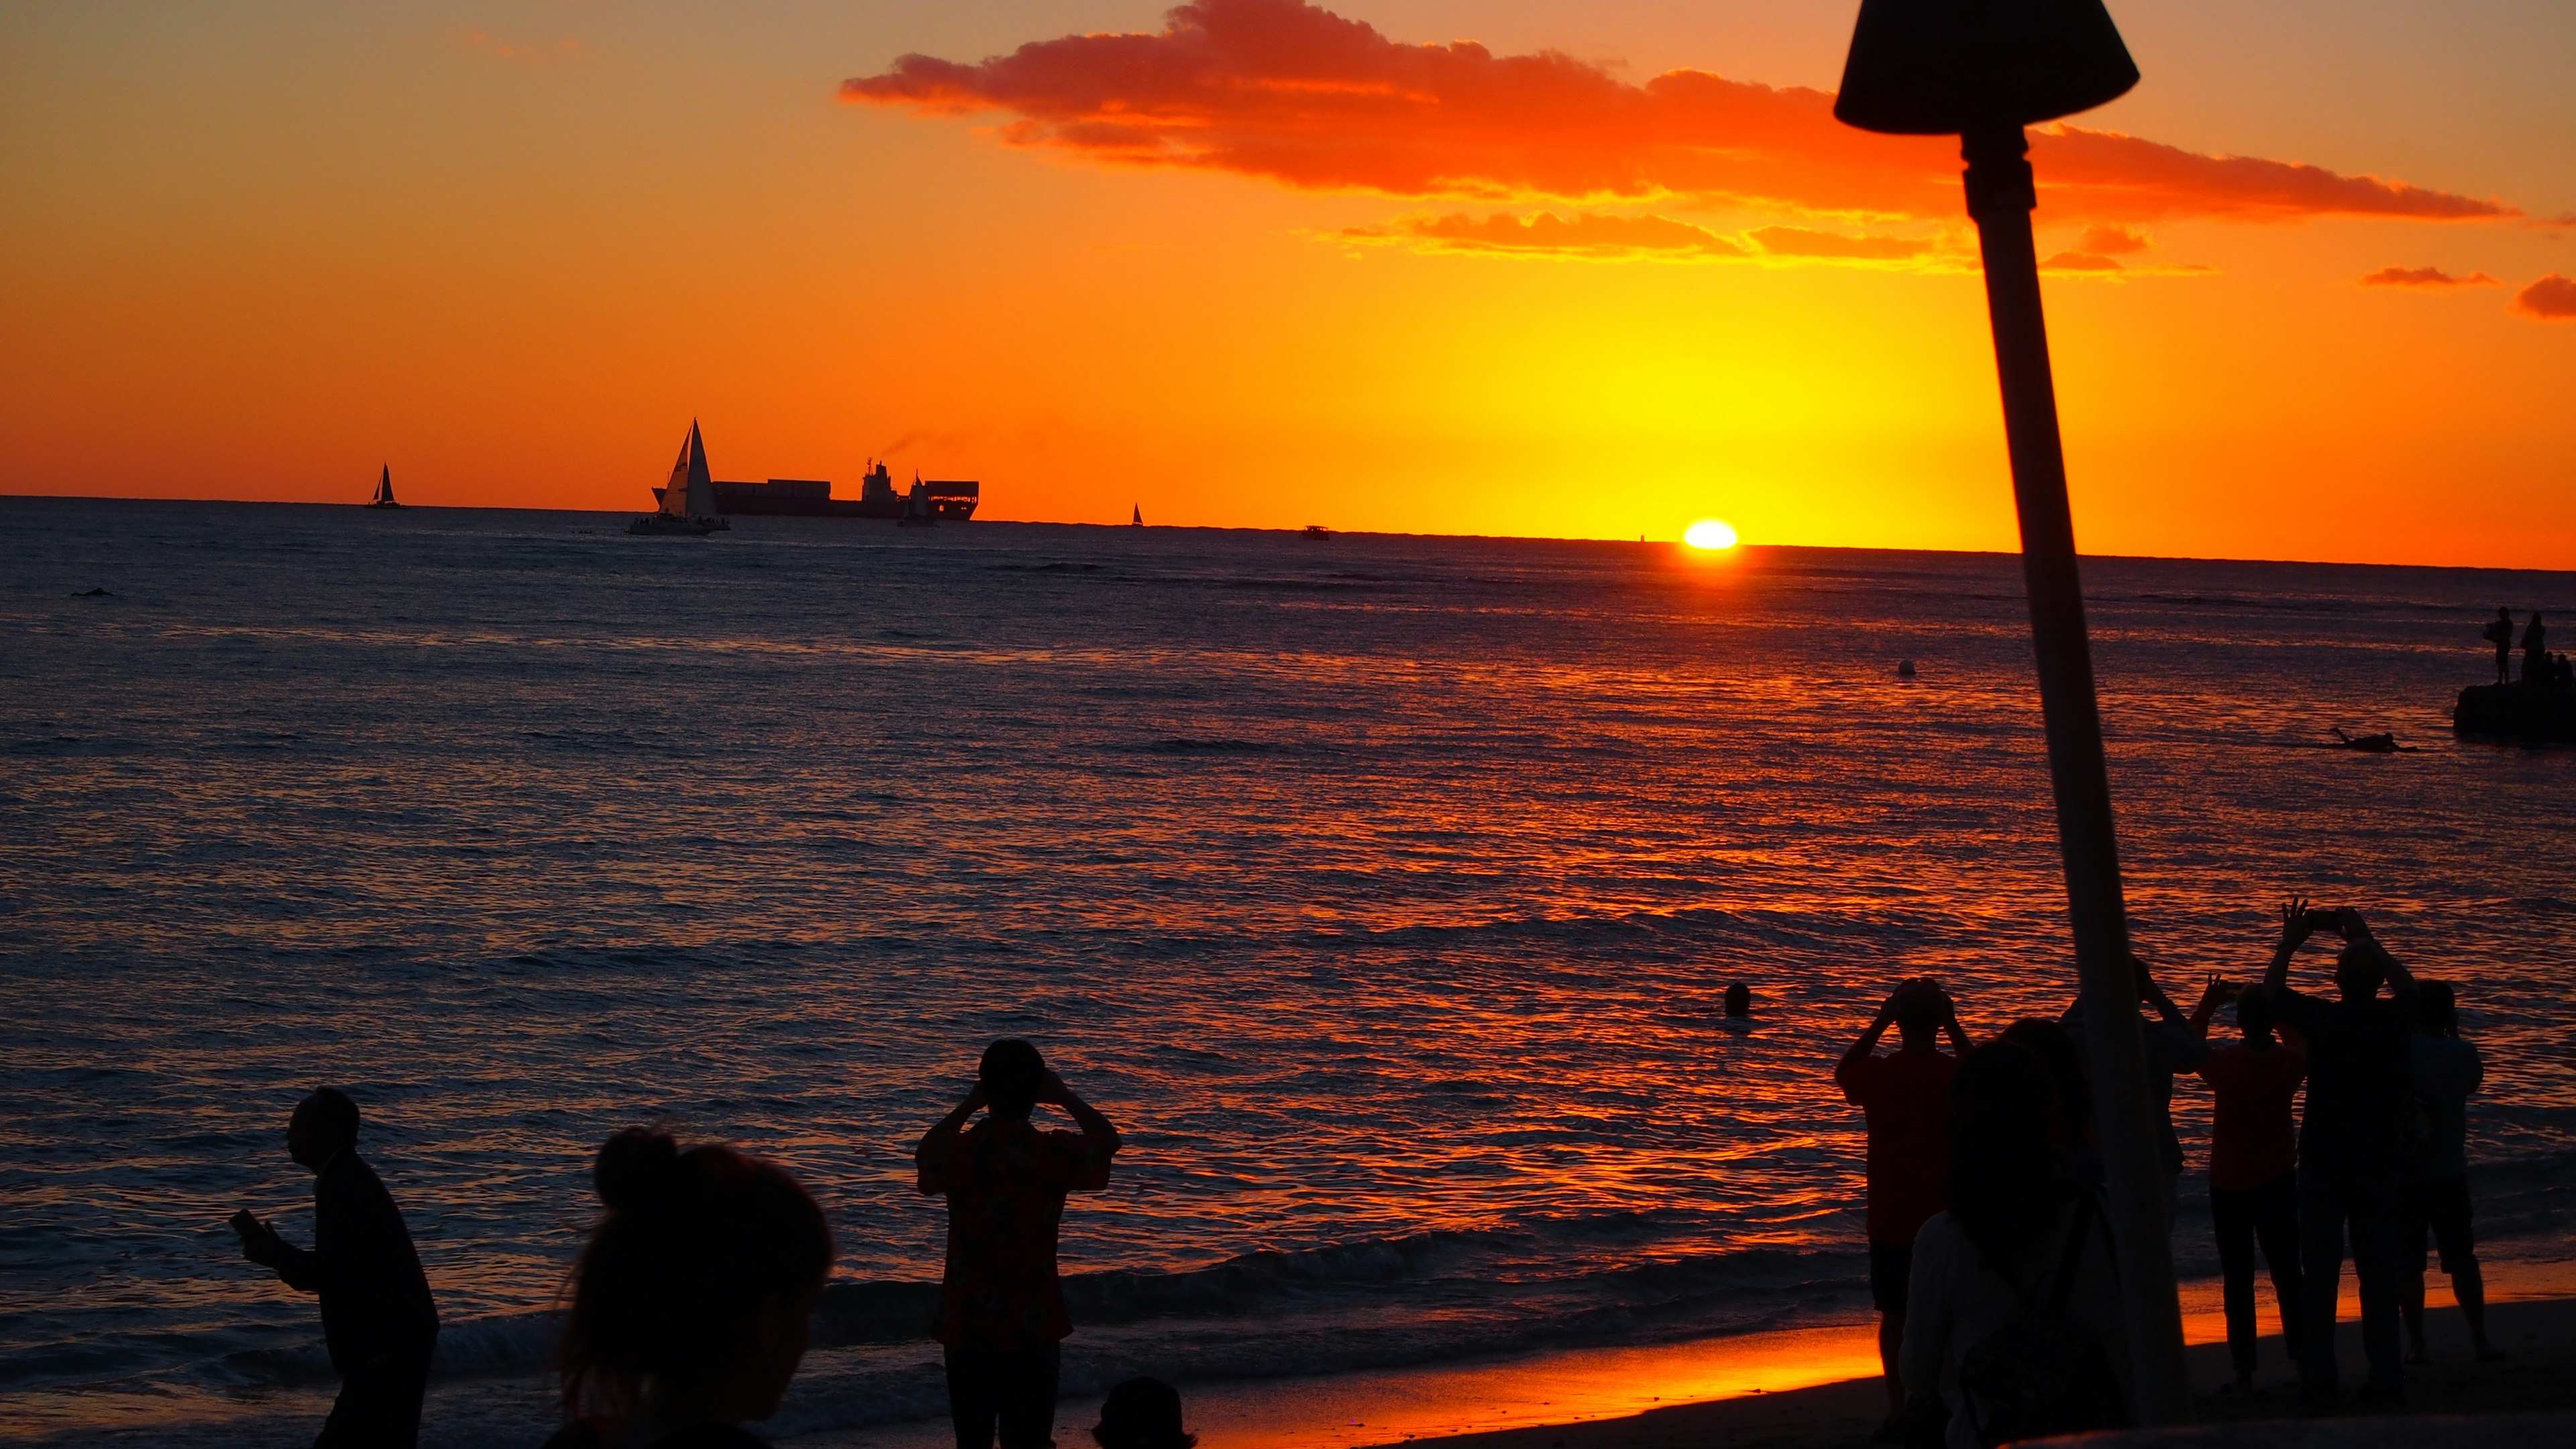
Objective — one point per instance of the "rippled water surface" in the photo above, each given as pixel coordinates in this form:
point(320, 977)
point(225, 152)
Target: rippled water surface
point(1380, 888)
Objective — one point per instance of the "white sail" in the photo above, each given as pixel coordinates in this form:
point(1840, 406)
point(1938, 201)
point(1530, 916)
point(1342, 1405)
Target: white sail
point(691, 492)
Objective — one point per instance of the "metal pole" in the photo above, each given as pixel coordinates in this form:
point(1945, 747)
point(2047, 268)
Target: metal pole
point(2000, 197)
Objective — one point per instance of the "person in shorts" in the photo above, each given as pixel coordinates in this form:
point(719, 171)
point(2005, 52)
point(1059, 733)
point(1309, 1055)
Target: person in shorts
point(2434, 1197)
point(1904, 1096)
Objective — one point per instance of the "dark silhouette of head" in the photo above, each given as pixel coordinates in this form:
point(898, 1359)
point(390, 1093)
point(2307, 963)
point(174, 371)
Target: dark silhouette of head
point(2073, 1095)
point(1142, 1413)
point(2006, 1177)
point(2255, 1015)
point(325, 1124)
point(1739, 999)
point(2436, 1010)
point(2504, 613)
point(698, 1280)
point(1012, 1073)
point(1920, 1005)
point(2358, 972)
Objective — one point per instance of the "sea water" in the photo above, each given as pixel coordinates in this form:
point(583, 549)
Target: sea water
point(1380, 888)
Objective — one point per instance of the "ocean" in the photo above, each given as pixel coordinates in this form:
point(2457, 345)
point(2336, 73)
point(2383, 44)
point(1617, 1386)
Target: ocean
point(1380, 888)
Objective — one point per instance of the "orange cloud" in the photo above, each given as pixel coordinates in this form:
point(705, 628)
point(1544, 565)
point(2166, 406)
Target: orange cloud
point(2111, 241)
point(2426, 277)
point(1798, 241)
point(1546, 234)
point(2080, 261)
point(2551, 299)
point(1291, 92)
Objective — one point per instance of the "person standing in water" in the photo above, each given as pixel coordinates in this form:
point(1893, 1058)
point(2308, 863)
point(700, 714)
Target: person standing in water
point(2446, 1073)
point(1905, 1099)
point(378, 1320)
point(2535, 652)
point(2253, 1169)
point(2500, 634)
point(1002, 1318)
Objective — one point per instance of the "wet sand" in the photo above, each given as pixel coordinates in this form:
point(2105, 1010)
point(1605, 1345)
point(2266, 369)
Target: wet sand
point(2538, 1335)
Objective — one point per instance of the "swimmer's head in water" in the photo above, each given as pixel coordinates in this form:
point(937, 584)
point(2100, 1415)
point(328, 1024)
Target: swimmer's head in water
point(1739, 1000)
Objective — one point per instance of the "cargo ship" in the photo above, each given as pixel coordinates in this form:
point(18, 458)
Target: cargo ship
point(937, 500)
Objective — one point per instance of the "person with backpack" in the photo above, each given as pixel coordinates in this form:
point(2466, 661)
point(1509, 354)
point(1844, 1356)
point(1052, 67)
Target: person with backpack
point(1904, 1096)
point(2014, 1324)
point(2446, 1072)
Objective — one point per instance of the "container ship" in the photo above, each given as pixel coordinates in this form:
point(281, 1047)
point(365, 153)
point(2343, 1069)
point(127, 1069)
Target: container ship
point(938, 500)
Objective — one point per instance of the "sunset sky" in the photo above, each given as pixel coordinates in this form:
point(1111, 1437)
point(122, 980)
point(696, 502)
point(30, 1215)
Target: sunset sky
point(1513, 267)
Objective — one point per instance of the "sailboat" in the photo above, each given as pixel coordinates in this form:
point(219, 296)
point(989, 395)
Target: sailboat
point(1139, 520)
point(689, 502)
point(384, 490)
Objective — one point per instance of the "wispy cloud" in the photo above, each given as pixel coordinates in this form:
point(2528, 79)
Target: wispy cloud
point(2426, 277)
point(1291, 92)
point(2551, 299)
point(1799, 241)
point(1583, 234)
point(2111, 241)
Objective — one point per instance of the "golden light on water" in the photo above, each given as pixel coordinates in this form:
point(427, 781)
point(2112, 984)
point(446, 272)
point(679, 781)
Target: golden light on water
point(1710, 533)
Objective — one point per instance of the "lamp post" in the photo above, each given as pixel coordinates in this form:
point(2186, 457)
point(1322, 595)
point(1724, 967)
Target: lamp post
point(1982, 70)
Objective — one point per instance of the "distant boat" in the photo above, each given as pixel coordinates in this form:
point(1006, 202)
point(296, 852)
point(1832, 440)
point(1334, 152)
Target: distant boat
point(384, 490)
point(919, 511)
point(1139, 520)
point(689, 500)
point(1317, 530)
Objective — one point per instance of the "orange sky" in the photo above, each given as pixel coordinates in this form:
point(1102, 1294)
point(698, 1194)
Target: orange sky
point(1261, 263)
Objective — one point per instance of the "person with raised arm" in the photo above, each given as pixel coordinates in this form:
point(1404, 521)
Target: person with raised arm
point(2350, 1153)
point(2253, 1166)
point(2446, 1072)
point(2173, 1049)
point(1002, 1318)
point(1904, 1098)
point(378, 1320)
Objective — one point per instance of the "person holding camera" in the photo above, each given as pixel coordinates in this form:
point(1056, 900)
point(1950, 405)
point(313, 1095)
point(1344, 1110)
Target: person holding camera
point(2351, 1153)
point(1002, 1318)
point(2253, 1166)
point(1905, 1099)
point(378, 1320)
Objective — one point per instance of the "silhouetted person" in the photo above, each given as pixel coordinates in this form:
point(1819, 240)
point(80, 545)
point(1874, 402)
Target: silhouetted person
point(1739, 999)
point(2253, 1169)
point(2500, 634)
point(1142, 1413)
point(2019, 1240)
point(2173, 1049)
point(2360, 1063)
point(2056, 1051)
point(377, 1318)
point(1905, 1099)
point(1001, 1307)
point(2446, 1073)
point(2535, 652)
point(691, 1300)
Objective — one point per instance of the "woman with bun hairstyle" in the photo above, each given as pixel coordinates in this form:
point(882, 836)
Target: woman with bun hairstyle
point(690, 1302)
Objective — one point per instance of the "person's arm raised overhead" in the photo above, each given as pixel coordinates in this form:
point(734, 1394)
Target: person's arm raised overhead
point(2401, 982)
point(1099, 1138)
point(1950, 1026)
point(1868, 1043)
point(2214, 994)
point(930, 1157)
point(2295, 930)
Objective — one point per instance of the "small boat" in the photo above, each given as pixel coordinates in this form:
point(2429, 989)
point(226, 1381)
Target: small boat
point(918, 510)
point(384, 489)
point(689, 501)
point(1139, 520)
point(1318, 531)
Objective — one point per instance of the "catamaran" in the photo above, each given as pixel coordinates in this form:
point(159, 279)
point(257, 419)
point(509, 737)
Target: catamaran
point(689, 501)
point(384, 490)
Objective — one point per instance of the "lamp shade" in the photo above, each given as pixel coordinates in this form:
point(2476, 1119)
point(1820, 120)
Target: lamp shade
point(1943, 67)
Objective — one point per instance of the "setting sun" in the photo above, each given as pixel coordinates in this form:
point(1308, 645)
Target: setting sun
point(1710, 533)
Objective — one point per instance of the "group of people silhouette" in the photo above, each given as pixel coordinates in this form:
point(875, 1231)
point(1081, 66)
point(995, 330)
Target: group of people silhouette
point(691, 1300)
point(1984, 1187)
point(2539, 666)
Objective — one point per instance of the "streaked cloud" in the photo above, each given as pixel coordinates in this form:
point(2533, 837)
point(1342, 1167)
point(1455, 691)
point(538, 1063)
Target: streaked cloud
point(1584, 234)
point(2426, 277)
point(2551, 299)
point(1799, 241)
point(1288, 91)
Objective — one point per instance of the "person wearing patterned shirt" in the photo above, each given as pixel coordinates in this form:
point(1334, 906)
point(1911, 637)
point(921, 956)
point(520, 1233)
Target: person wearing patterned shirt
point(1002, 1318)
